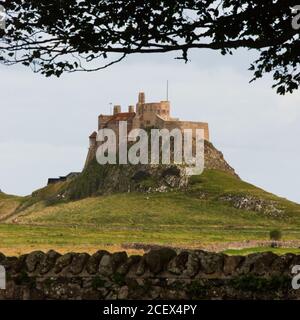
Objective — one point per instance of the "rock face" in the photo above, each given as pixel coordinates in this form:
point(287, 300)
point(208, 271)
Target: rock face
point(159, 274)
point(251, 203)
point(214, 159)
point(97, 179)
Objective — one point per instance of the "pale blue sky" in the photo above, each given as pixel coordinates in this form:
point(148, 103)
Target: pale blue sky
point(45, 123)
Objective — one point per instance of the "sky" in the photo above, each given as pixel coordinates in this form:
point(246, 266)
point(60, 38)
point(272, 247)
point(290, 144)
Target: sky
point(45, 122)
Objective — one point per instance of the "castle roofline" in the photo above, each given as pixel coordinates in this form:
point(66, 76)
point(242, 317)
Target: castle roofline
point(93, 135)
point(122, 116)
point(104, 115)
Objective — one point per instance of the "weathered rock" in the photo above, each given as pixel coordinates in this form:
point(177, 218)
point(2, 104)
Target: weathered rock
point(90, 294)
point(264, 263)
point(231, 263)
point(125, 267)
point(156, 260)
point(64, 291)
point(211, 262)
point(141, 268)
point(214, 159)
point(33, 260)
point(252, 203)
point(123, 293)
point(296, 259)
point(192, 265)
point(171, 294)
point(257, 263)
point(109, 263)
point(155, 292)
point(106, 265)
point(48, 261)
point(78, 263)
point(118, 258)
point(15, 264)
point(281, 263)
point(63, 261)
point(190, 274)
point(92, 265)
point(178, 264)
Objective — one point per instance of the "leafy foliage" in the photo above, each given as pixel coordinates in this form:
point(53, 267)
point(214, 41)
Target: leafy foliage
point(55, 36)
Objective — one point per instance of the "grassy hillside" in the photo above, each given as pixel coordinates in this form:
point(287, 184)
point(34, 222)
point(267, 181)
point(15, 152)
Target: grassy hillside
point(189, 219)
point(8, 205)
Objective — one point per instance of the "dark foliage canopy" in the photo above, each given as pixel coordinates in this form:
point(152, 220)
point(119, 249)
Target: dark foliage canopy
point(56, 36)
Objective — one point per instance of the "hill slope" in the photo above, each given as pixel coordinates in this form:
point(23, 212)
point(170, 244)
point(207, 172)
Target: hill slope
point(200, 215)
point(98, 180)
point(215, 207)
point(8, 205)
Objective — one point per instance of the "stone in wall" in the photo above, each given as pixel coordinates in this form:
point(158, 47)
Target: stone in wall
point(160, 274)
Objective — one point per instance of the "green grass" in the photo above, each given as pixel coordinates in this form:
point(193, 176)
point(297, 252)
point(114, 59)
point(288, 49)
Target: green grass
point(182, 219)
point(150, 211)
point(18, 235)
point(279, 251)
point(216, 183)
point(8, 204)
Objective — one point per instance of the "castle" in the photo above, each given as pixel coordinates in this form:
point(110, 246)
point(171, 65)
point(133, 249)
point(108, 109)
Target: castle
point(144, 115)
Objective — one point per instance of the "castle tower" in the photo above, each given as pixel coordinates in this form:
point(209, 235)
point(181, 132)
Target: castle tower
point(141, 102)
point(92, 148)
point(93, 139)
point(148, 115)
point(117, 109)
point(142, 98)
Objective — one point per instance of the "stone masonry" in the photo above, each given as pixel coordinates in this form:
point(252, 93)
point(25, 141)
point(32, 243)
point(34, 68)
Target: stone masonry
point(144, 115)
point(160, 274)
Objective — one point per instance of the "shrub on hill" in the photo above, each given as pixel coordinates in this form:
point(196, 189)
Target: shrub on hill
point(275, 235)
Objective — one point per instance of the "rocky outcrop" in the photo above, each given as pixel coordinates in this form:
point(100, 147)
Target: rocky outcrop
point(214, 159)
point(250, 203)
point(97, 179)
point(159, 274)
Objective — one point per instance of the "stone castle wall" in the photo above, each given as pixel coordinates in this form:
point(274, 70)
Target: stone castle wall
point(153, 114)
point(102, 119)
point(159, 274)
point(182, 125)
point(147, 115)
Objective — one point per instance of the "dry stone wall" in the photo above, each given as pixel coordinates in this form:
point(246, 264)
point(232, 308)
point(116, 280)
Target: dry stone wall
point(159, 274)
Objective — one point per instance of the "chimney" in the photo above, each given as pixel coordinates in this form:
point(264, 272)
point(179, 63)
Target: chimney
point(117, 109)
point(131, 109)
point(141, 97)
